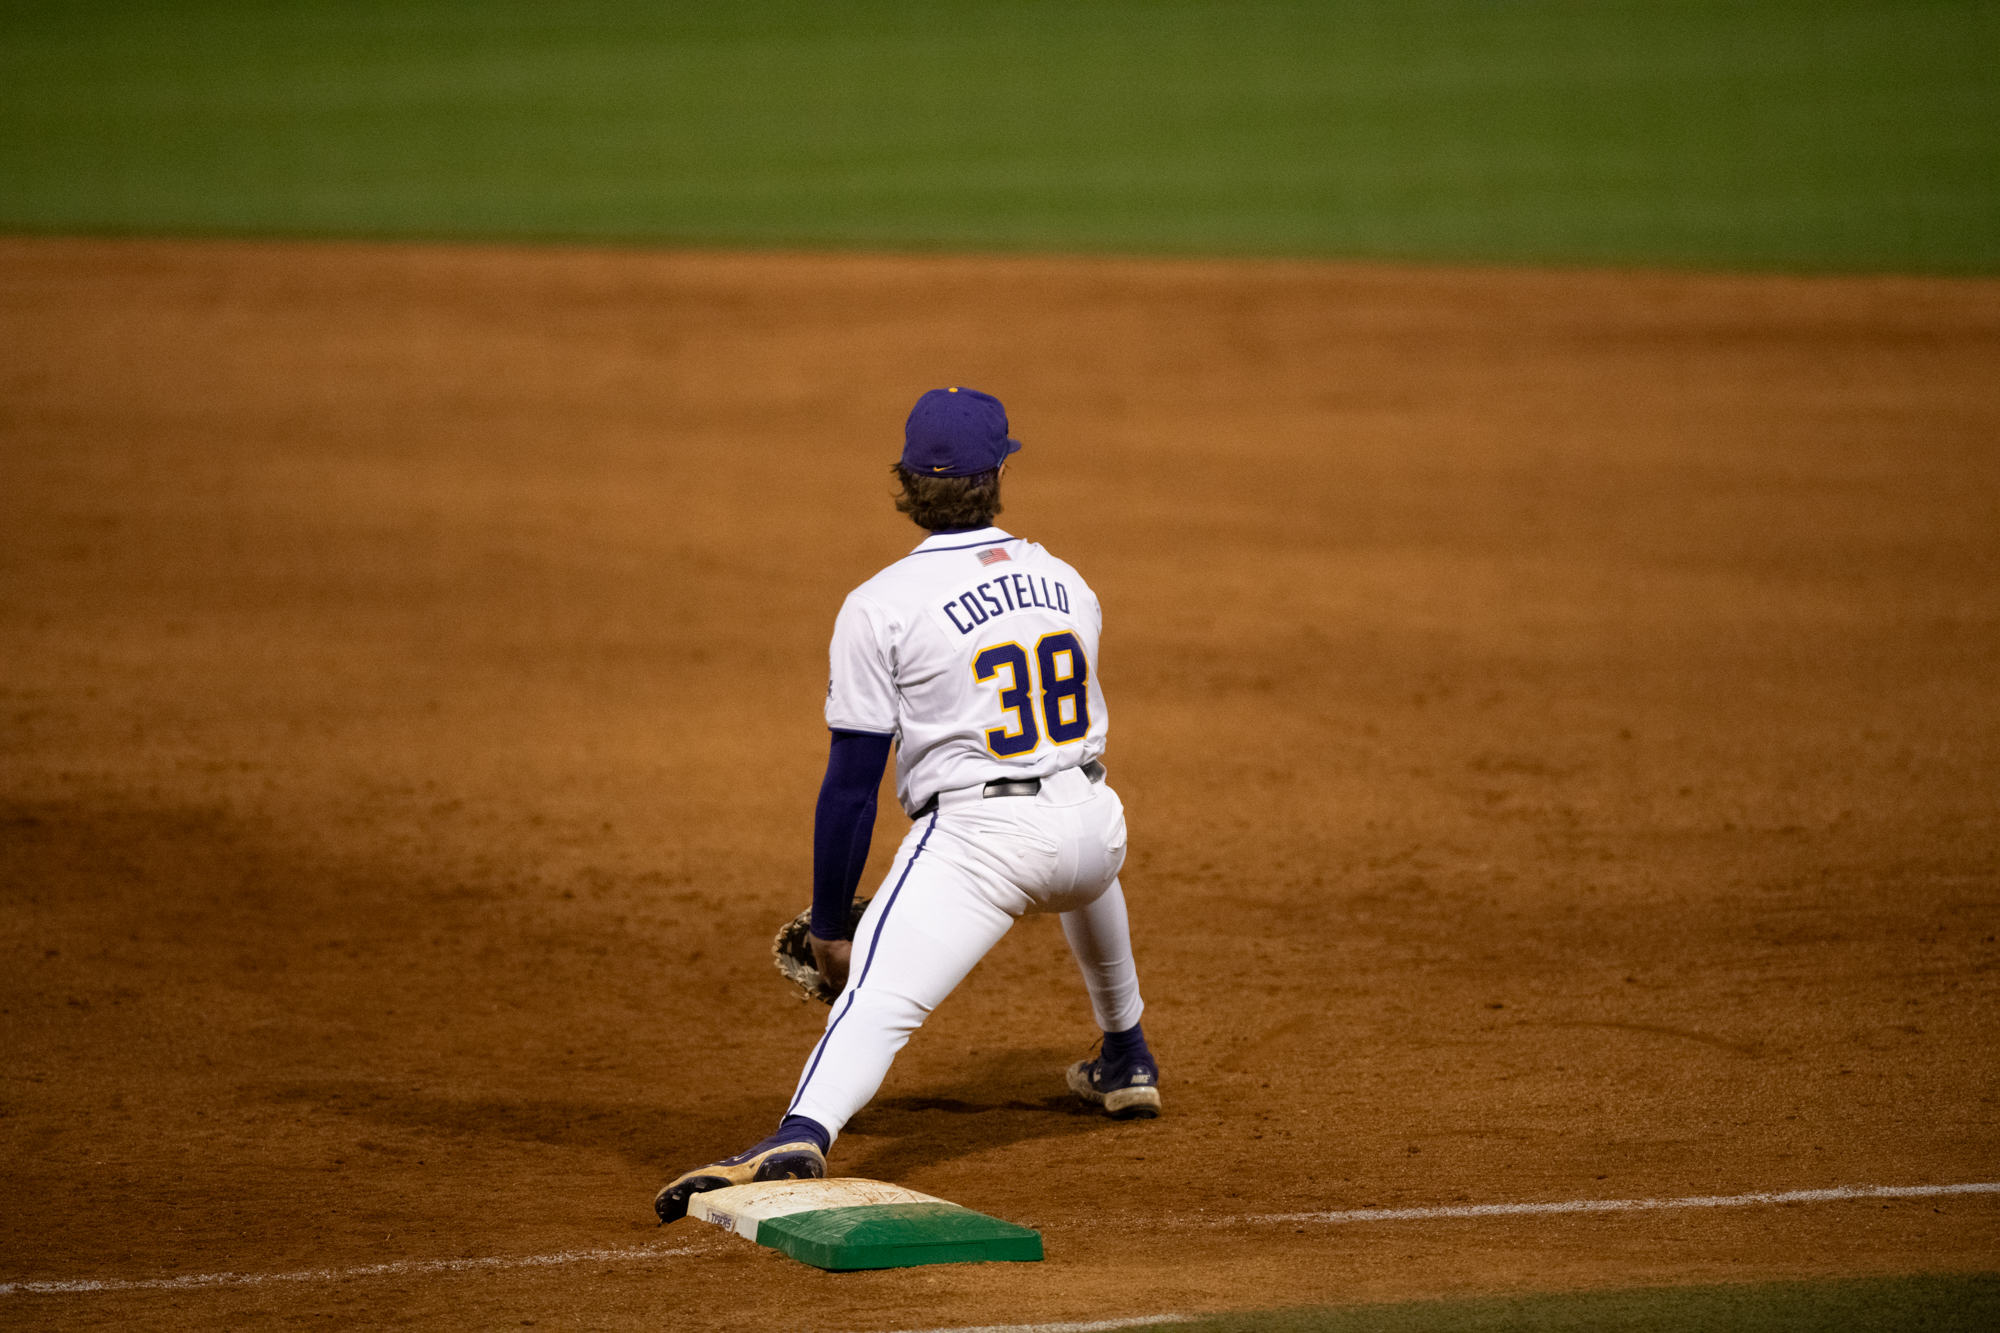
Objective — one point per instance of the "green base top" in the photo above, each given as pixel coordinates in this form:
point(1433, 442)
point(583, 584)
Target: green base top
point(900, 1235)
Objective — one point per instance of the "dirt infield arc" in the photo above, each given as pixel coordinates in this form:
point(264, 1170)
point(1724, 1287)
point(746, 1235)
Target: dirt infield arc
point(1557, 713)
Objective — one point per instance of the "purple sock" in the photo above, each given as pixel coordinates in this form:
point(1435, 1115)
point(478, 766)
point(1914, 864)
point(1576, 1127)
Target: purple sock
point(797, 1127)
point(1124, 1047)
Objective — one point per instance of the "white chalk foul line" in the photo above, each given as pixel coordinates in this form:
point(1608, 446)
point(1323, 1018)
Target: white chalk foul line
point(400, 1268)
point(1095, 1325)
point(1510, 1210)
point(411, 1267)
point(1623, 1205)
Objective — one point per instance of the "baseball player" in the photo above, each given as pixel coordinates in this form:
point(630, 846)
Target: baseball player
point(976, 656)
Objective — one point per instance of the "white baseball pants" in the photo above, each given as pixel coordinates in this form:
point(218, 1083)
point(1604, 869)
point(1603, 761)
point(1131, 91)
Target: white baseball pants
point(960, 879)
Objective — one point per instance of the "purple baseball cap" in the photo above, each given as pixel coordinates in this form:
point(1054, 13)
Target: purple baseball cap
point(956, 432)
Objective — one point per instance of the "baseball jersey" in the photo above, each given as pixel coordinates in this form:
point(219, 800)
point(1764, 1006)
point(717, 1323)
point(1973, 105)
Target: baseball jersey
point(977, 651)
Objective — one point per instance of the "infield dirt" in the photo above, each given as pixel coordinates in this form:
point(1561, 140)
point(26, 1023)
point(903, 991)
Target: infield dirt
point(1559, 716)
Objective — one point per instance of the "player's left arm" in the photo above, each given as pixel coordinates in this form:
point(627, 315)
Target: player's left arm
point(861, 711)
point(843, 827)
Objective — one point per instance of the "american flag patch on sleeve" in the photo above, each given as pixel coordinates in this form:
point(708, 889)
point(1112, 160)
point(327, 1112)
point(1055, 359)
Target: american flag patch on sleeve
point(993, 556)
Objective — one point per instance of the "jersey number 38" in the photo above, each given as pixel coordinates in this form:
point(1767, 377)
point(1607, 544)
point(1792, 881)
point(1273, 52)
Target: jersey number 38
point(1058, 672)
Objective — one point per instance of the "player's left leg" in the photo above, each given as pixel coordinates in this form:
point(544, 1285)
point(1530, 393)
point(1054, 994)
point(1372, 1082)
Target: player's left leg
point(957, 885)
point(947, 901)
point(939, 914)
point(959, 882)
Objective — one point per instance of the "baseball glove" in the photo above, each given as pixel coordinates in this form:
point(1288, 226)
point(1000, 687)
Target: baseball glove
point(793, 952)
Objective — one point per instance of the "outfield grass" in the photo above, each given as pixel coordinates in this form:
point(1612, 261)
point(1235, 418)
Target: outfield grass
point(1815, 134)
point(1936, 1304)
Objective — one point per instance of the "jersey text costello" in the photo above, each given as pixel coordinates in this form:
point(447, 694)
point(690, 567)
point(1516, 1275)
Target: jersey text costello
point(978, 674)
point(1020, 592)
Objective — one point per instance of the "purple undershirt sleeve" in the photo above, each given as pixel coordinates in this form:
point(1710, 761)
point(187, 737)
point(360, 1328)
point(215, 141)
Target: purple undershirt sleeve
point(843, 824)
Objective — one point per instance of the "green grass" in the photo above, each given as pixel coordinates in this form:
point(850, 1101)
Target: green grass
point(1809, 134)
point(1950, 1304)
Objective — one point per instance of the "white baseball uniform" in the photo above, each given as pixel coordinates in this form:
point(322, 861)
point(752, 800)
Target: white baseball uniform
point(977, 652)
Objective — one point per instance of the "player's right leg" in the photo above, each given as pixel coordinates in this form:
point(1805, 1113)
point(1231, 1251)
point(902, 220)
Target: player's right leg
point(1124, 1078)
point(1100, 939)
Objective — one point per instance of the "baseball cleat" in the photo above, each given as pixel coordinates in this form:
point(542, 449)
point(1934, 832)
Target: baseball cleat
point(779, 1157)
point(1129, 1091)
